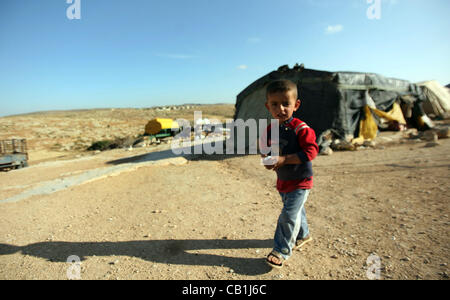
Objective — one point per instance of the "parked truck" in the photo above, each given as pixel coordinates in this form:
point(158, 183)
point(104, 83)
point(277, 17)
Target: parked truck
point(13, 154)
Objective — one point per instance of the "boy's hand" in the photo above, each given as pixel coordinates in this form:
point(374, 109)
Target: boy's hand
point(279, 162)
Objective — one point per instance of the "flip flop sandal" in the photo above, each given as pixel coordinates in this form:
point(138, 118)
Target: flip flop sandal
point(302, 242)
point(276, 255)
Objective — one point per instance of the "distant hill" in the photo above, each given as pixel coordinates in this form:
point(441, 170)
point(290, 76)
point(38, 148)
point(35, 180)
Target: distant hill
point(211, 106)
point(448, 85)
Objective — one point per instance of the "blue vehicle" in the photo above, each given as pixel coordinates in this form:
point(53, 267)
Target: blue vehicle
point(13, 154)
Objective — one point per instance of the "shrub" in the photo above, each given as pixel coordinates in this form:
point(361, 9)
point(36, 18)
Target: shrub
point(102, 145)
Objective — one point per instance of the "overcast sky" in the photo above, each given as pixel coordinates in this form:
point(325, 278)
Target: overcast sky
point(142, 53)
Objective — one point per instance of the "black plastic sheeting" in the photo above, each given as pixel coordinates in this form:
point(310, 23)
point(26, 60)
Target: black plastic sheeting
point(335, 100)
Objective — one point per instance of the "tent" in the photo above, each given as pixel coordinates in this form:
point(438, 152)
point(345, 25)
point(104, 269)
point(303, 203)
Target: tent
point(437, 100)
point(335, 103)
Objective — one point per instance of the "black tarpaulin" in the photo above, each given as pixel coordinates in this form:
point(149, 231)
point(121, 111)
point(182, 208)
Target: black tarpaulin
point(333, 101)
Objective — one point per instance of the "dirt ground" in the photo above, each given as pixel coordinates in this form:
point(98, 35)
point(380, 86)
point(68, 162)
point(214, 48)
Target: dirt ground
point(147, 214)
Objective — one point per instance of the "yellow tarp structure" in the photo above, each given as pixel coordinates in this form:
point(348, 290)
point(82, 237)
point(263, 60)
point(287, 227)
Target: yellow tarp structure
point(368, 128)
point(156, 125)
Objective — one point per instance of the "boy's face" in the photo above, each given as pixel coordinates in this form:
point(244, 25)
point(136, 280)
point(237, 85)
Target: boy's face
point(282, 105)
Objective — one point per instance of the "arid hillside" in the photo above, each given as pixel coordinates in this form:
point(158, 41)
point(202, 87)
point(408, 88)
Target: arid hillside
point(66, 133)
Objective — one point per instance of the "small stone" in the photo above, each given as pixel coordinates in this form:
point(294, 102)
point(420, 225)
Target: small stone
point(369, 144)
point(327, 151)
point(406, 258)
point(432, 144)
point(443, 133)
point(430, 136)
point(334, 256)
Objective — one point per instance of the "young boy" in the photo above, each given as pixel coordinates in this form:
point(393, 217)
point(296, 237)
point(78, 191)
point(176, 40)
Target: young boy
point(297, 148)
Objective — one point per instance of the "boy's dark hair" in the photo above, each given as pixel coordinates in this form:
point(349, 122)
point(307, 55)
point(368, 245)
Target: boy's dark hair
point(281, 86)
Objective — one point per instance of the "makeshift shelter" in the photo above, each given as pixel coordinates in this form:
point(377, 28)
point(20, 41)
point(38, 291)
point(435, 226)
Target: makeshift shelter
point(346, 105)
point(437, 100)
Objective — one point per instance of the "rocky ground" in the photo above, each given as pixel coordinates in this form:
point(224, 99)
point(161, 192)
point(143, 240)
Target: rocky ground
point(380, 212)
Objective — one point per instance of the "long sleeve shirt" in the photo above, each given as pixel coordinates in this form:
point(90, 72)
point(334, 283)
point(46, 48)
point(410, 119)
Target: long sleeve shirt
point(295, 137)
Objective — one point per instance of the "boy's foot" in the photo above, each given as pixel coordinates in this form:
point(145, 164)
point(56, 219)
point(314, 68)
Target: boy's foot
point(300, 243)
point(275, 260)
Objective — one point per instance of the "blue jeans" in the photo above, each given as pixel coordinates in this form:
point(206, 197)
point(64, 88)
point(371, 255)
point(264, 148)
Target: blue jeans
point(292, 224)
